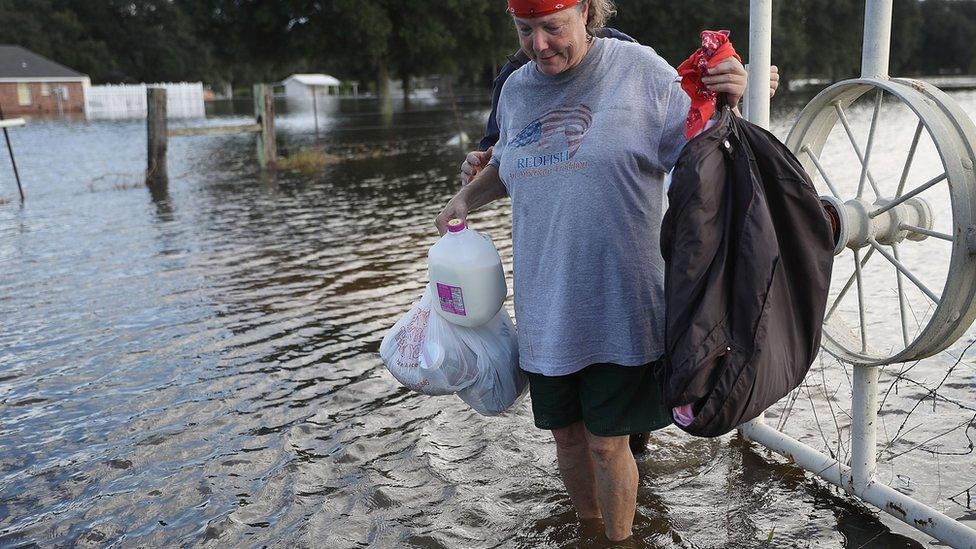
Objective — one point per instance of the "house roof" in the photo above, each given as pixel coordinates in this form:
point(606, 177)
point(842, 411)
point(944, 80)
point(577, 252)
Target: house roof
point(314, 79)
point(17, 63)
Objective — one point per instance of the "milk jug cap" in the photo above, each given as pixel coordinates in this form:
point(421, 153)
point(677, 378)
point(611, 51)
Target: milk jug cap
point(455, 226)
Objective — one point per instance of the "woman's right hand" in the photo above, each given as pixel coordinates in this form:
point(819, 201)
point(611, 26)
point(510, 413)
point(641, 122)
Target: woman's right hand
point(456, 208)
point(474, 162)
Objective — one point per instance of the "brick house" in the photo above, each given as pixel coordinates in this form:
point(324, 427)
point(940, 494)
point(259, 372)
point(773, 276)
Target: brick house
point(33, 84)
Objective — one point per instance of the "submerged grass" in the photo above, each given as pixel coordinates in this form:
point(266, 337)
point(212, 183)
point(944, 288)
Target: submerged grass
point(307, 161)
point(312, 160)
point(114, 182)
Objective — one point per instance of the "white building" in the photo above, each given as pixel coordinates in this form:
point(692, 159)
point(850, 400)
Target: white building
point(302, 86)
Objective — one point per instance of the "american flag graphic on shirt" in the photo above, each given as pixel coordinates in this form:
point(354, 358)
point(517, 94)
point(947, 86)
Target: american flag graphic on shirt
point(572, 122)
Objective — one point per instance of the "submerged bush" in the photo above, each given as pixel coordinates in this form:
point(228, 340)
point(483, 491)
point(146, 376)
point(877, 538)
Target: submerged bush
point(307, 161)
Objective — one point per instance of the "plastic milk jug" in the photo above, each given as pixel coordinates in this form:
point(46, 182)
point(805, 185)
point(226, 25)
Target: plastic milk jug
point(466, 277)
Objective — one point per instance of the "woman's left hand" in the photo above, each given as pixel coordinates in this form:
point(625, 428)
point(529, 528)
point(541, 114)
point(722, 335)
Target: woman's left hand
point(728, 77)
point(773, 80)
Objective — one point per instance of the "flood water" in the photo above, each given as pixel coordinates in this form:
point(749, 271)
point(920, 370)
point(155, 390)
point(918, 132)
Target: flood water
point(201, 368)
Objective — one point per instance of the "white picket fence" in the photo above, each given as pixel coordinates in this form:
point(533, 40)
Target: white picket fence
point(183, 100)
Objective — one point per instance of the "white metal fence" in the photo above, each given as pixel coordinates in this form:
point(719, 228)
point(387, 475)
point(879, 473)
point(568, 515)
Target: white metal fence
point(935, 447)
point(183, 100)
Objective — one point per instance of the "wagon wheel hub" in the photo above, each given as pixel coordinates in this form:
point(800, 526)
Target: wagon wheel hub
point(886, 220)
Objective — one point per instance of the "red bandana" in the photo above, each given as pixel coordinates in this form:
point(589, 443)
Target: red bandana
point(538, 8)
point(714, 49)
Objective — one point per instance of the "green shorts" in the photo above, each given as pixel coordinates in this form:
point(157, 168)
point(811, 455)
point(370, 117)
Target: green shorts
point(610, 399)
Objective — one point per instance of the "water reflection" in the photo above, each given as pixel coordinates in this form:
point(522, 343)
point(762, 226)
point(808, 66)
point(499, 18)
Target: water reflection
point(858, 524)
point(160, 198)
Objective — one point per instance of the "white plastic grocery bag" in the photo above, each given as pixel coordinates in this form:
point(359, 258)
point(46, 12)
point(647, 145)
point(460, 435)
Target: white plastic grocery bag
point(435, 357)
point(423, 352)
point(500, 382)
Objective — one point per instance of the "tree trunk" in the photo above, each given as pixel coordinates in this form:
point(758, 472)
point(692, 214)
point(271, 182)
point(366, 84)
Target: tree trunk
point(406, 88)
point(383, 87)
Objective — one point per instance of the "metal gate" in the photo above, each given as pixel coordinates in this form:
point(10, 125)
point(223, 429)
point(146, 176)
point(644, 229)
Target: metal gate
point(876, 217)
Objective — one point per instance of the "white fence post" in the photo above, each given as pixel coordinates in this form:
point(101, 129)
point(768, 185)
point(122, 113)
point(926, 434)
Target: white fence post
point(757, 102)
point(760, 54)
point(877, 39)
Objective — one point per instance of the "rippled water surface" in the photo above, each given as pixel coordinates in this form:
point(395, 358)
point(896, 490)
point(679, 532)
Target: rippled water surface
point(201, 368)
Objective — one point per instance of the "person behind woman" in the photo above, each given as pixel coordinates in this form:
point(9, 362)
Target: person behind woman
point(587, 130)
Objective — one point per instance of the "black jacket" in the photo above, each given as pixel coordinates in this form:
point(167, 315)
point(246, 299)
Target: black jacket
point(749, 252)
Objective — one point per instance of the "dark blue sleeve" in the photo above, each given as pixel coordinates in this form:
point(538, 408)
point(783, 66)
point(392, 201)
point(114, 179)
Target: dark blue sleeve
point(491, 128)
point(612, 33)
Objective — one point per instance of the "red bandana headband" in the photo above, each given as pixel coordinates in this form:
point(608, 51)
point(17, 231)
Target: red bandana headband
point(715, 48)
point(538, 8)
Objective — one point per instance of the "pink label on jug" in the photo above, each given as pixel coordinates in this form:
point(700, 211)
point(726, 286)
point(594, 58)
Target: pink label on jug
point(451, 300)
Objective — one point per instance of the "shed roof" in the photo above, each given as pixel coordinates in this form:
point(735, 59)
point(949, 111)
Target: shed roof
point(20, 63)
point(314, 79)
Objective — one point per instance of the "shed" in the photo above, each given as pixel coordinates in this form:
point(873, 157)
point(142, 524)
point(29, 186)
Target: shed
point(302, 86)
point(33, 84)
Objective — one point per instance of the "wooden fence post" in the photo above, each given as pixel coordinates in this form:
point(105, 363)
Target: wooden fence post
point(264, 111)
point(156, 177)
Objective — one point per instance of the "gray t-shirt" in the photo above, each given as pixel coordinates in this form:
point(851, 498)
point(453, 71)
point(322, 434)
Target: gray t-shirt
point(583, 155)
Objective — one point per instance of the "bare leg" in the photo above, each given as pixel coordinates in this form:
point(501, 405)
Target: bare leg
point(576, 469)
point(615, 472)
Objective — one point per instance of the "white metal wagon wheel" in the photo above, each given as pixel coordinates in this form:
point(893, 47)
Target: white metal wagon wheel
point(906, 237)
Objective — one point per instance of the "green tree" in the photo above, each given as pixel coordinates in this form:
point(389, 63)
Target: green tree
point(149, 40)
point(352, 35)
point(946, 44)
point(376, 39)
point(250, 40)
point(245, 41)
point(833, 30)
point(55, 33)
point(906, 25)
point(418, 43)
point(674, 34)
point(789, 44)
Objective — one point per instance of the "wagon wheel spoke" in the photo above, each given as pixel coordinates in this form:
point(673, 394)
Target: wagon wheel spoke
point(867, 153)
point(904, 270)
point(920, 230)
point(901, 199)
point(902, 303)
point(910, 159)
point(823, 172)
point(847, 286)
point(860, 301)
point(857, 149)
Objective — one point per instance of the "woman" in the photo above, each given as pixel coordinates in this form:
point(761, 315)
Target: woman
point(588, 128)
